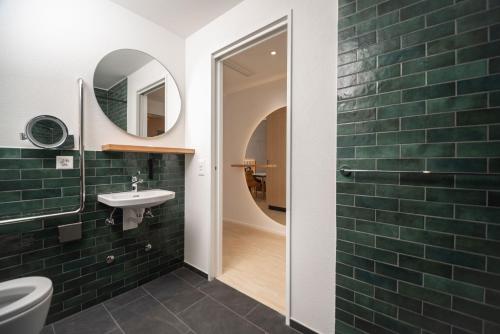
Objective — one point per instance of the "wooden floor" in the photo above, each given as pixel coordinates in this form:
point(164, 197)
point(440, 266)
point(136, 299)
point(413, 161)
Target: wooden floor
point(254, 263)
point(277, 216)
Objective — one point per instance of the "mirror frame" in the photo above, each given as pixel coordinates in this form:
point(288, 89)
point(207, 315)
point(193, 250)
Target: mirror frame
point(181, 105)
point(29, 133)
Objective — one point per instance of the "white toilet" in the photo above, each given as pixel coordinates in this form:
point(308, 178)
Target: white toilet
point(24, 304)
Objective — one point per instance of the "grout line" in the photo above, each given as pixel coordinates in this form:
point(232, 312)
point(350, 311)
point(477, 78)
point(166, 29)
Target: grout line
point(113, 318)
point(251, 310)
point(171, 312)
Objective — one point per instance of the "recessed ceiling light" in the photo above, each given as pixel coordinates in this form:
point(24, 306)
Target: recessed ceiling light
point(273, 53)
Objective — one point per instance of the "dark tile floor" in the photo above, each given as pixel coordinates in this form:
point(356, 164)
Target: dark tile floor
point(181, 302)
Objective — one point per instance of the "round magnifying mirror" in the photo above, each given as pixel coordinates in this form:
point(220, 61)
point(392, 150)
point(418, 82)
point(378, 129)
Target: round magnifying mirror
point(137, 93)
point(46, 131)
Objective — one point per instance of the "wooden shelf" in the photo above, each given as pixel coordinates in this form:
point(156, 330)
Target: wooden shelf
point(146, 149)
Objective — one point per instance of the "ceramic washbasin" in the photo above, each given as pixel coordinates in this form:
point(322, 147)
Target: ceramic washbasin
point(136, 199)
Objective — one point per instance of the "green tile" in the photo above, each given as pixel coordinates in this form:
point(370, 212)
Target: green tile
point(10, 196)
point(429, 92)
point(401, 110)
point(478, 52)
point(476, 309)
point(477, 278)
point(356, 237)
point(400, 246)
point(10, 174)
point(391, 5)
point(20, 185)
point(457, 165)
point(356, 188)
point(376, 305)
point(460, 9)
point(377, 228)
point(457, 103)
point(429, 63)
point(422, 180)
point(459, 72)
point(344, 199)
point(376, 254)
point(398, 300)
point(405, 192)
point(20, 207)
point(401, 164)
point(401, 137)
point(380, 74)
point(354, 212)
point(429, 34)
point(379, 48)
point(453, 318)
point(40, 174)
point(453, 287)
point(476, 117)
point(356, 116)
point(478, 149)
point(378, 100)
point(427, 150)
point(428, 121)
point(458, 227)
point(356, 91)
point(355, 261)
point(457, 41)
point(401, 55)
point(424, 294)
point(356, 67)
point(401, 219)
point(376, 280)
point(347, 223)
point(398, 273)
point(482, 84)
point(409, 81)
point(402, 28)
point(9, 153)
point(345, 129)
point(494, 66)
point(477, 133)
point(458, 196)
point(58, 183)
point(377, 151)
point(478, 20)
point(377, 126)
point(354, 285)
point(455, 257)
point(357, 18)
point(347, 10)
point(377, 203)
point(377, 23)
point(20, 163)
point(427, 237)
point(495, 99)
point(347, 33)
point(423, 7)
point(475, 245)
point(40, 194)
point(424, 322)
point(347, 81)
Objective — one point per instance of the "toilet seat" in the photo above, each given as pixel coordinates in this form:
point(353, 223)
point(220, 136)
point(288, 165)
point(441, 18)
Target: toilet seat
point(19, 295)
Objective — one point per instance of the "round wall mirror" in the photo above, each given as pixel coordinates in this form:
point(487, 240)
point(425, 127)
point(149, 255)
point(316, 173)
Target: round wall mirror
point(46, 131)
point(137, 93)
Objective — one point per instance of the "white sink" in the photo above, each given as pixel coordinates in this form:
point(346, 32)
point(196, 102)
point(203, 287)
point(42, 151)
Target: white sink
point(136, 199)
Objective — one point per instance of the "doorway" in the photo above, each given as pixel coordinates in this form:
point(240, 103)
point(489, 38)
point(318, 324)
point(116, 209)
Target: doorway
point(253, 121)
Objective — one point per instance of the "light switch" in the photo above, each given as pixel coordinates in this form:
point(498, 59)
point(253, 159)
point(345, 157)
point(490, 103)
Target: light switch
point(64, 162)
point(201, 167)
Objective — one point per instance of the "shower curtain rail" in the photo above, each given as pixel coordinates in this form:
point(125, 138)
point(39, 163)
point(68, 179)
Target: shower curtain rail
point(82, 172)
point(347, 171)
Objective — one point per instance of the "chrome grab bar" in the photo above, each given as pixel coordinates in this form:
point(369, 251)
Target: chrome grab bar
point(346, 171)
point(82, 172)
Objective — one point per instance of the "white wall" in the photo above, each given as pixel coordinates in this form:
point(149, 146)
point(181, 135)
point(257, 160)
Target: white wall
point(47, 45)
point(313, 145)
point(243, 111)
point(145, 76)
point(257, 146)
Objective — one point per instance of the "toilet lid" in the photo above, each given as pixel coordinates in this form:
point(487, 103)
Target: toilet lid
point(19, 295)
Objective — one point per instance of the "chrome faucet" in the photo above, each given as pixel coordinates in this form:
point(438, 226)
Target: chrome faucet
point(136, 180)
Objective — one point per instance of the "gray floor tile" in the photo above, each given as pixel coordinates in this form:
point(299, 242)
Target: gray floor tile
point(190, 276)
point(146, 315)
point(47, 330)
point(232, 298)
point(209, 317)
point(125, 298)
point(92, 321)
point(173, 292)
point(270, 320)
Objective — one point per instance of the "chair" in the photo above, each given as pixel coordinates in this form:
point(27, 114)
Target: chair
point(253, 184)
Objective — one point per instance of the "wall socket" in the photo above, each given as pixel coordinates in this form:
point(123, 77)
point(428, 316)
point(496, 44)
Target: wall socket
point(201, 167)
point(64, 162)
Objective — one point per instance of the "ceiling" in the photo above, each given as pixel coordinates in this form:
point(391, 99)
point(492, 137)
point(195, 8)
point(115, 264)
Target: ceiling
point(182, 17)
point(256, 66)
point(115, 66)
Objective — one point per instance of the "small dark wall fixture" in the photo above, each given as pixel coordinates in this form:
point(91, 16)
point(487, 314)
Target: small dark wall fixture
point(82, 278)
point(418, 90)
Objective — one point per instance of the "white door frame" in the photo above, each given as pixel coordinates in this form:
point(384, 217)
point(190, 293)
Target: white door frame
point(282, 24)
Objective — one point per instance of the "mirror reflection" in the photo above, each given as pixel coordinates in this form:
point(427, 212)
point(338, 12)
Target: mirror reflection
point(47, 131)
point(265, 165)
point(137, 93)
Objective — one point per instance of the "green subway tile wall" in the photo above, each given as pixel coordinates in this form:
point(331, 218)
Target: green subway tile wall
point(113, 103)
point(30, 184)
point(419, 88)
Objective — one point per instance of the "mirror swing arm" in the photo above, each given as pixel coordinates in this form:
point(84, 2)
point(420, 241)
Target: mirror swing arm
point(82, 171)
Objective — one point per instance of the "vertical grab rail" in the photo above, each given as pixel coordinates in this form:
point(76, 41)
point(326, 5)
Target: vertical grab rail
point(82, 171)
